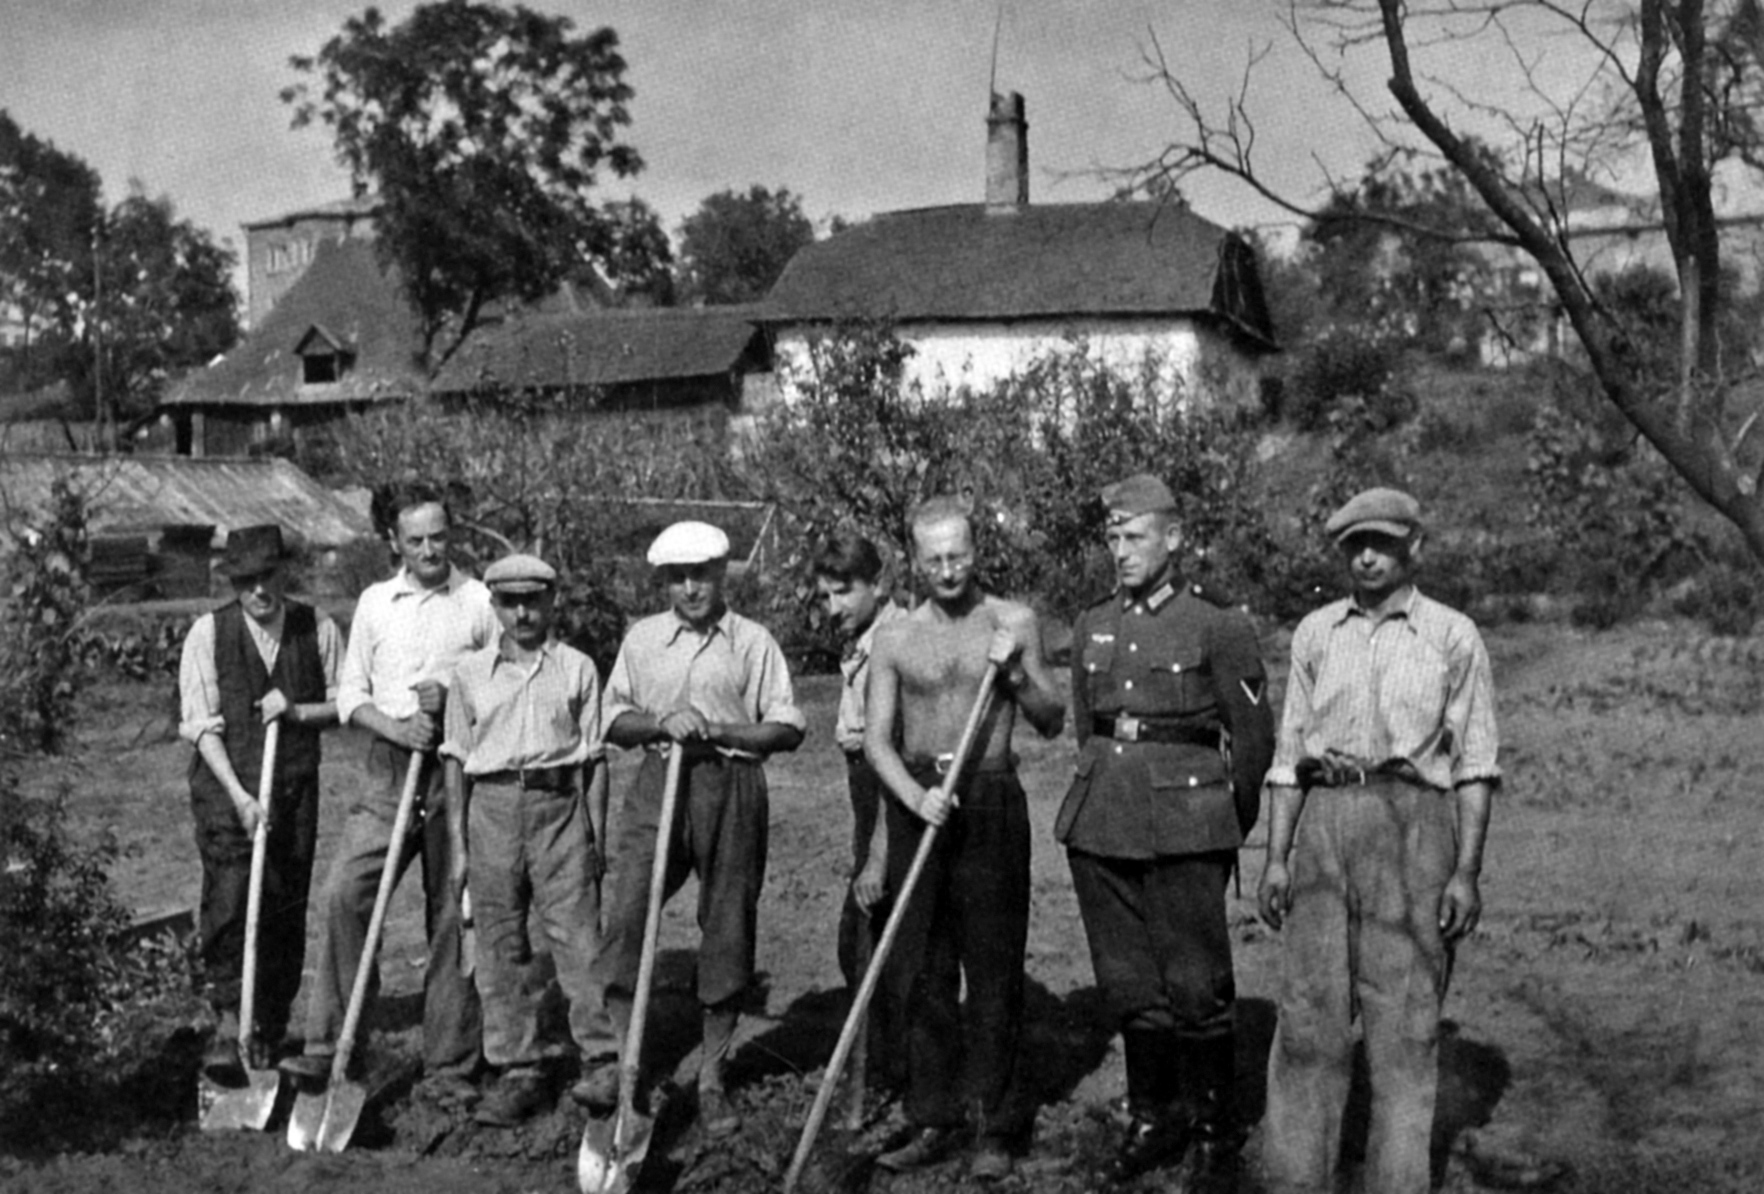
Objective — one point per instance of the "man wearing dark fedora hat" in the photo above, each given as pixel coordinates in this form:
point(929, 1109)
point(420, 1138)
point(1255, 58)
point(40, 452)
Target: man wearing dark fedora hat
point(257, 658)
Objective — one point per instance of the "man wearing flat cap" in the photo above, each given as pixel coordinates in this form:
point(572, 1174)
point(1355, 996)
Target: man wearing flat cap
point(1381, 790)
point(1174, 733)
point(258, 658)
point(526, 806)
point(702, 679)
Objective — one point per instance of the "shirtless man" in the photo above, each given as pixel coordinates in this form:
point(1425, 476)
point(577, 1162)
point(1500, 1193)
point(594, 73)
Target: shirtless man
point(968, 918)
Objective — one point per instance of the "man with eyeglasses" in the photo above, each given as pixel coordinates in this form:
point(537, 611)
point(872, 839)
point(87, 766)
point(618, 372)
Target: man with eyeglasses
point(257, 658)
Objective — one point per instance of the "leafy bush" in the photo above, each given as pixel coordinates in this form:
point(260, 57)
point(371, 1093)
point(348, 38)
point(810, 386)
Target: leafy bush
point(1346, 363)
point(40, 623)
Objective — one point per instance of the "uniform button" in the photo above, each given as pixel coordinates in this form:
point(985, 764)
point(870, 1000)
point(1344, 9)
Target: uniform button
point(1117, 748)
point(1193, 782)
point(1133, 646)
point(1127, 684)
point(1176, 667)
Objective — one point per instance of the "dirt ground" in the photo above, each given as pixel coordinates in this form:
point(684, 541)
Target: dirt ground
point(1603, 1027)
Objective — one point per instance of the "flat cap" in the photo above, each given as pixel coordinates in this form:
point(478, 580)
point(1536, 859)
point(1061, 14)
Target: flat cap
point(1388, 510)
point(688, 543)
point(1139, 494)
point(520, 573)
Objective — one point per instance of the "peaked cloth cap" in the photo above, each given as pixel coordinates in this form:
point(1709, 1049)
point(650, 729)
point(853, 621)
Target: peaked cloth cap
point(1139, 494)
point(520, 573)
point(251, 551)
point(1388, 510)
point(688, 543)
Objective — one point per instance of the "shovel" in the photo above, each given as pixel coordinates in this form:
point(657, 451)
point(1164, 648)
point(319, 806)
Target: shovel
point(860, 1004)
point(613, 1149)
point(325, 1120)
point(251, 1106)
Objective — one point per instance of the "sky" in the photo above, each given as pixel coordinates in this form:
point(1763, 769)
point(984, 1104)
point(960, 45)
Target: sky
point(857, 106)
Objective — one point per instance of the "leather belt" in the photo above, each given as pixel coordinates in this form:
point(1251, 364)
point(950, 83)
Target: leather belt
point(1126, 728)
point(533, 779)
point(1342, 771)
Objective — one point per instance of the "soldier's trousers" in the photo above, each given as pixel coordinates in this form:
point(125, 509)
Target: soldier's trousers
point(1369, 865)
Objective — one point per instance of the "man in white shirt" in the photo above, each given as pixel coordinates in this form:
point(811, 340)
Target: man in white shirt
point(408, 634)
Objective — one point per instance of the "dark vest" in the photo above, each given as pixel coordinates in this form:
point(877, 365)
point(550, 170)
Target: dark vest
point(300, 675)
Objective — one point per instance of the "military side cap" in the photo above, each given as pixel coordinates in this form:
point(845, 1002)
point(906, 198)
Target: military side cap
point(520, 573)
point(1139, 494)
point(1388, 510)
point(688, 543)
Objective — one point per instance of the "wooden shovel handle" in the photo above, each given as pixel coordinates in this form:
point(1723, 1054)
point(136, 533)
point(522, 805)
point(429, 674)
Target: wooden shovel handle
point(860, 1003)
point(630, 1063)
point(371, 946)
point(272, 738)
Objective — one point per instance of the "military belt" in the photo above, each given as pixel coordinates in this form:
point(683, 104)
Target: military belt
point(1126, 728)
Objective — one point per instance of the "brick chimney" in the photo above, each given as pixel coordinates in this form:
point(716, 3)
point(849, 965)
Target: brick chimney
point(1007, 153)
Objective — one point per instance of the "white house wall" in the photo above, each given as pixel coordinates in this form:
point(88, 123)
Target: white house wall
point(1193, 361)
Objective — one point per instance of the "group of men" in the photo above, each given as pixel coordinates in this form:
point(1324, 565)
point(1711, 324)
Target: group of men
point(1381, 785)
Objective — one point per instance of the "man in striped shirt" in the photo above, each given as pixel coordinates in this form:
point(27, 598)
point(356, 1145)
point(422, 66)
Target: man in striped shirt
point(1381, 783)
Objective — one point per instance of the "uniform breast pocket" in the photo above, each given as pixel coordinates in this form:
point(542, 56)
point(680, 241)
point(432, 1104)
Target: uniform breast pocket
point(1181, 684)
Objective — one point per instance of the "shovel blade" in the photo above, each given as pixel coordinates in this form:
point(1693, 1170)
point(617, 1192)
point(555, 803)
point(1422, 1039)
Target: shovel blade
point(612, 1152)
point(248, 1108)
point(305, 1119)
point(342, 1113)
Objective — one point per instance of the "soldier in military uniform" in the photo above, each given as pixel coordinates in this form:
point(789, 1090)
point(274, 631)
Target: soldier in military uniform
point(1174, 735)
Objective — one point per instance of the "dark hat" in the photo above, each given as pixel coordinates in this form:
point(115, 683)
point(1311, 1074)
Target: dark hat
point(1139, 494)
point(688, 543)
point(251, 551)
point(520, 573)
point(1388, 510)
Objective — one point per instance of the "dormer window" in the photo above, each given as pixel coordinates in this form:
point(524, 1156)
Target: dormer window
point(324, 358)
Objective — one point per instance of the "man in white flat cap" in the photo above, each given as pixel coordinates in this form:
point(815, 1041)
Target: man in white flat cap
point(1381, 787)
point(703, 679)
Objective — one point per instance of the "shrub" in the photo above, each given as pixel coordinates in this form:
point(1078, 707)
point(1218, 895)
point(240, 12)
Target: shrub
point(40, 623)
point(1345, 363)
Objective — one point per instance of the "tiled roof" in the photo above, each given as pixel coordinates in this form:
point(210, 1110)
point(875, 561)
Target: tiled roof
point(603, 348)
point(344, 293)
point(142, 494)
point(1036, 261)
point(365, 205)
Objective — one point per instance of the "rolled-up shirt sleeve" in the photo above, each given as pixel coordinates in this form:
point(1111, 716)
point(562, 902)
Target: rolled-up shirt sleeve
point(1295, 715)
point(353, 689)
point(456, 741)
point(773, 694)
point(199, 684)
point(330, 645)
point(1470, 709)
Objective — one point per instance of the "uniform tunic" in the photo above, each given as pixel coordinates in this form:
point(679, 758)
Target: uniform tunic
point(1152, 827)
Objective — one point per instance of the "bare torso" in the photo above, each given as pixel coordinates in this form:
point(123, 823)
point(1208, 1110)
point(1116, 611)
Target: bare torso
point(938, 662)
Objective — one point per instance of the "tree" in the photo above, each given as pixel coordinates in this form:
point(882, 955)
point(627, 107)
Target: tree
point(1383, 274)
point(50, 211)
point(159, 299)
point(483, 130)
point(638, 258)
point(734, 246)
point(1673, 84)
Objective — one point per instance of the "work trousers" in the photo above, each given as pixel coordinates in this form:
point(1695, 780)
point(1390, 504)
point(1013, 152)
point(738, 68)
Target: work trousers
point(533, 851)
point(719, 834)
point(1158, 939)
point(967, 922)
point(452, 1021)
point(859, 929)
point(1369, 866)
point(225, 850)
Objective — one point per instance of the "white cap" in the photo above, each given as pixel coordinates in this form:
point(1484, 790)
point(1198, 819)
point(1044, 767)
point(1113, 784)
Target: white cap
point(688, 543)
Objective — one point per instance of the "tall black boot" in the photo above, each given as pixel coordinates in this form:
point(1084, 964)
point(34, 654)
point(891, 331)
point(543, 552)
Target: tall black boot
point(1158, 1131)
point(1218, 1135)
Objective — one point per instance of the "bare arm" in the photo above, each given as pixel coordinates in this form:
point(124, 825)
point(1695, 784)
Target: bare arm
point(1460, 905)
point(882, 707)
point(416, 732)
point(459, 790)
point(870, 883)
point(763, 738)
point(1016, 648)
point(1274, 894)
